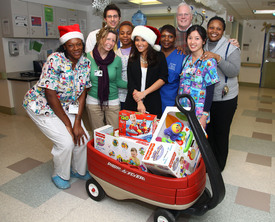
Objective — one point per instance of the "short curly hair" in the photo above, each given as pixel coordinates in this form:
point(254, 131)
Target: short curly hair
point(219, 19)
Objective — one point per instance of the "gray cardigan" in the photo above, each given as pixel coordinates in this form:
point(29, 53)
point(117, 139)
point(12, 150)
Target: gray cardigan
point(229, 67)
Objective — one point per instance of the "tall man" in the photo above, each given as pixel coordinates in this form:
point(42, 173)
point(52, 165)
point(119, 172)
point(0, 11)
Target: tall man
point(112, 17)
point(184, 21)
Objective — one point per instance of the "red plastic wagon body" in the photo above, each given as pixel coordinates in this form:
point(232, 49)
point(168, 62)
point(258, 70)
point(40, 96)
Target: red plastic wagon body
point(124, 181)
point(173, 195)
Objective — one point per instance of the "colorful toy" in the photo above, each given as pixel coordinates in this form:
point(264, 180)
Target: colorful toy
point(112, 153)
point(141, 151)
point(100, 141)
point(174, 131)
point(137, 125)
point(176, 137)
point(143, 127)
point(164, 140)
point(124, 145)
point(115, 142)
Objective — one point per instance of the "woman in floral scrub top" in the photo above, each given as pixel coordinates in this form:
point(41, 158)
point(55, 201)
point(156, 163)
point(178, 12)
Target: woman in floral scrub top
point(198, 77)
point(56, 102)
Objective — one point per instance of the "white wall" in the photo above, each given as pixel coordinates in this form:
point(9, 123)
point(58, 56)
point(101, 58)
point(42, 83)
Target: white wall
point(94, 19)
point(61, 3)
point(23, 62)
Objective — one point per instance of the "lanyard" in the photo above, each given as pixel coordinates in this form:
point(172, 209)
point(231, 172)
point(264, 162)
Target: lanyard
point(226, 52)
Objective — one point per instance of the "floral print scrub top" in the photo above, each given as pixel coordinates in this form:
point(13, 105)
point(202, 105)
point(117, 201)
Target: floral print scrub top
point(57, 74)
point(195, 78)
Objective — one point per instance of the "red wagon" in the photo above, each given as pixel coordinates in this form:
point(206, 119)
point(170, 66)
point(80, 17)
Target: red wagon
point(172, 195)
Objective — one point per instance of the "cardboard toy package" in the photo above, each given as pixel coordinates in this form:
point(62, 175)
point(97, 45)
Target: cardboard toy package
point(137, 125)
point(173, 149)
point(123, 149)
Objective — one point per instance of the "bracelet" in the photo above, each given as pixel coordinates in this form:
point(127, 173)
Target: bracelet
point(205, 114)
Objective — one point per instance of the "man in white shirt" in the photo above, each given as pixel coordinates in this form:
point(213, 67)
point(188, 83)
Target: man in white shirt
point(112, 17)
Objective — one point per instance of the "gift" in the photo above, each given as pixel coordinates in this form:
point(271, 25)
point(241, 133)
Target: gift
point(173, 149)
point(123, 149)
point(137, 125)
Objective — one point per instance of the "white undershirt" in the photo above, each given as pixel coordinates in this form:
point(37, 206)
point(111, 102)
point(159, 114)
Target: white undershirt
point(143, 78)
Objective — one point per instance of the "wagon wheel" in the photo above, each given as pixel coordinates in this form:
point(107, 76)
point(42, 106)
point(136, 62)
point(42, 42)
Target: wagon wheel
point(94, 190)
point(163, 215)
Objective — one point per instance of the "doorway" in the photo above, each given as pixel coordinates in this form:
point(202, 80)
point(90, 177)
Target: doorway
point(268, 65)
point(160, 20)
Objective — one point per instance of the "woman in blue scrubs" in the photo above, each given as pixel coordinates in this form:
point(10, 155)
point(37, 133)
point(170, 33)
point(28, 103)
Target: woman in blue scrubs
point(174, 58)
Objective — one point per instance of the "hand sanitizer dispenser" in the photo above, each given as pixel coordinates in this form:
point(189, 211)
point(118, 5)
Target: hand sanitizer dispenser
point(13, 48)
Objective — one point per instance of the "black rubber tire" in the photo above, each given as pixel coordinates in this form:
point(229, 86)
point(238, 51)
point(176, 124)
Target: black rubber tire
point(164, 215)
point(94, 190)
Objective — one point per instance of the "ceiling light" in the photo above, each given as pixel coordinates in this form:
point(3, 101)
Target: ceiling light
point(145, 2)
point(263, 11)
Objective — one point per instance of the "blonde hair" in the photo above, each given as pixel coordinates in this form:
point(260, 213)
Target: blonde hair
point(103, 32)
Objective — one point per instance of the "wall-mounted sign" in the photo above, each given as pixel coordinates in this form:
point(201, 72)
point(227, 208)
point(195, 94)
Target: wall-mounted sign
point(36, 21)
point(230, 18)
point(48, 14)
point(21, 20)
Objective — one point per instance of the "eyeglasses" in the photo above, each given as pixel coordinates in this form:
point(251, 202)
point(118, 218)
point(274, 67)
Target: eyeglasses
point(112, 16)
point(183, 15)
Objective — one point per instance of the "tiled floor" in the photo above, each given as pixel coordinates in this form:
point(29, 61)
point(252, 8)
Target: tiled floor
point(27, 193)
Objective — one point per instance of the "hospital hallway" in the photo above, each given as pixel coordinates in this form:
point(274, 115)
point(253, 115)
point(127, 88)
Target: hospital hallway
point(28, 194)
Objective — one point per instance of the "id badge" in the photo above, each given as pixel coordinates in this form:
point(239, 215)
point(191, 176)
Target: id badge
point(98, 73)
point(73, 108)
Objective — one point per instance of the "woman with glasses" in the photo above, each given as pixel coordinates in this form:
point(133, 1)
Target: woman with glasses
point(111, 17)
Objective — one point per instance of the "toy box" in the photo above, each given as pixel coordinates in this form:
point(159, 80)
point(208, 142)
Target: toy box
point(173, 149)
point(137, 125)
point(123, 149)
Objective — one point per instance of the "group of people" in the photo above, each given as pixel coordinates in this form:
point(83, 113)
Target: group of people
point(144, 73)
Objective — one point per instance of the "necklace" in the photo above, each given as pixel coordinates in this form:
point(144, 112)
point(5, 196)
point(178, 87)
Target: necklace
point(143, 61)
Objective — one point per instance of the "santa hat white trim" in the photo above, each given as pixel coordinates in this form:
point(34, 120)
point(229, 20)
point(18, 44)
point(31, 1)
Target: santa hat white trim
point(71, 35)
point(147, 34)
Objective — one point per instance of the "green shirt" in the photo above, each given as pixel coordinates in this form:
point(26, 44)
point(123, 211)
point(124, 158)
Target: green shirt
point(115, 80)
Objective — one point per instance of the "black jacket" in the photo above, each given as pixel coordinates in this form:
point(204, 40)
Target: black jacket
point(152, 101)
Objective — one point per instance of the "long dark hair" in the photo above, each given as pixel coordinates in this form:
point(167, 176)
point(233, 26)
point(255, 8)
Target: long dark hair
point(151, 54)
point(61, 48)
point(199, 29)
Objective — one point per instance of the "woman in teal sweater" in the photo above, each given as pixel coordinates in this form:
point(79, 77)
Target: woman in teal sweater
point(102, 101)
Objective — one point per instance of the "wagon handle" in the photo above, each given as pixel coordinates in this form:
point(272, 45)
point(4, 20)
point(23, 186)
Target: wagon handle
point(214, 173)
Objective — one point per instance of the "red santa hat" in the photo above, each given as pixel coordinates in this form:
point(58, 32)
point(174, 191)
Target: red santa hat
point(149, 34)
point(69, 32)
